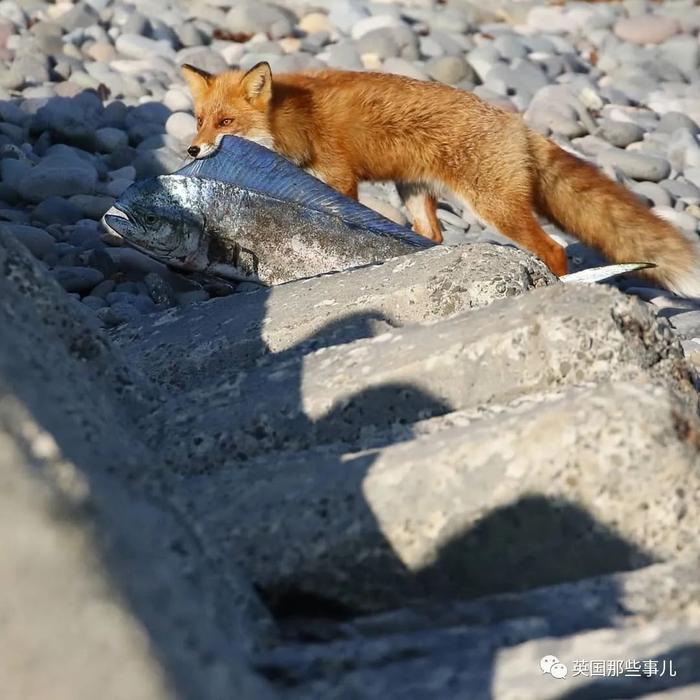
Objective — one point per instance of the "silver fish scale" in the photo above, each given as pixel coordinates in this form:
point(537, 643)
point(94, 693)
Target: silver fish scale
point(278, 240)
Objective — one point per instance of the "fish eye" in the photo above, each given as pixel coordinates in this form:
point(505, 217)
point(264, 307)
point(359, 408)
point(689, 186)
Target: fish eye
point(151, 219)
point(226, 122)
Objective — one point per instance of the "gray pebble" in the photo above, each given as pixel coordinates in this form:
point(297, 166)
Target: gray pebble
point(677, 218)
point(137, 46)
point(54, 179)
point(652, 193)
point(11, 113)
point(345, 13)
point(693, 176)
point(451, 219)
point(638, 166)
point(682, 52)
point(177, 101)
point(103, 288)
point(132, 259)
point(118, 314)
point(102, 261)
point(510, 47)
point(36, 240)
point(203, 58)
point(687, 323)
point(158, 162)
point(137, 23)
point(620, 134)
point(56, 210)
point(15, 216)
point(77, 279)
point(681, 188)
point(451, 19)
point(159, 290)
point(671, 121)
point(389, 42)
point(484, 59)
point(450, 70)
point(79, 16)
point(127, 288)
point(683, 150)
point(92, 206)
point(569, 128)
point(108, 139)
point(116, 187)
point(189, 35)
point(121, 157)
point(144, 130)
point(161, 140)
point(344, 56)
point(249, 17)
point(118, 297)
point(313, 43)
point(25, 70)
point(94, 302)
point(400, 66)
point(13, 171)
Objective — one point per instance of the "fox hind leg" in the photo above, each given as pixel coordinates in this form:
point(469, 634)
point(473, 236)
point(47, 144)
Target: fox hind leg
point(513, 216)
point(422, 207)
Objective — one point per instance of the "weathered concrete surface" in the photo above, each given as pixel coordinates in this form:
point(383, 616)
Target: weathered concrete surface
point(104, 590)
point(546, 339)
point(328, 310)
point(487, 663)
point(467, 511)
point(489, 648)
point(621, 598)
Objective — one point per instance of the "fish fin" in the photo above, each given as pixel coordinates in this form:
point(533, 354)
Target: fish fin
point(605, 272)
point(251, 166)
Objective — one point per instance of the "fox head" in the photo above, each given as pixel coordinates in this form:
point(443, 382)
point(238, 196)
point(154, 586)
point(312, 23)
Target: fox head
point(234, 102)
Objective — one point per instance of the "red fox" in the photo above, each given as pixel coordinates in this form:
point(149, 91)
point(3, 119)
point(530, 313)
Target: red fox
point(346, 127)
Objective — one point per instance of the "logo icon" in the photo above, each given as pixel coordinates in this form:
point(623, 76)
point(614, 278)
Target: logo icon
point(555, 668)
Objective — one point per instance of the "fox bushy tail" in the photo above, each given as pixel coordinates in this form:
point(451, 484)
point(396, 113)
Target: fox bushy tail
point(603, 214)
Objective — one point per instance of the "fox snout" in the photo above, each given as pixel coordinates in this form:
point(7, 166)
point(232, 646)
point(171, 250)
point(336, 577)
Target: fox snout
point(201, 149)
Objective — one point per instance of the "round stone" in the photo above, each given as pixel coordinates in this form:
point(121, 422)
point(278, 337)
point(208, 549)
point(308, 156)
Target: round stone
point(645, 29)
point(36, 240)
point(620, 134)
point(450, 70)
point(315, 22)
point(181, 125)
point(638, 166)
point(78, 279)
point(108, 139)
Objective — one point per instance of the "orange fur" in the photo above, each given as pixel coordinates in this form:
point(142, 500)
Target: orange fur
point(348, 127)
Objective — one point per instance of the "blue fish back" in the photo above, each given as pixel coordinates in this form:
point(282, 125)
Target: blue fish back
point(251, 166)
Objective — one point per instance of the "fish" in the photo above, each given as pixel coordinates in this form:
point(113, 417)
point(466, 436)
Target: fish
point(603, 273)
point(248, 214)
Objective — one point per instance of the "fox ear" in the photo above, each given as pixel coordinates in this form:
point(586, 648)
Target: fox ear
point(257, 83)
point(197, 79)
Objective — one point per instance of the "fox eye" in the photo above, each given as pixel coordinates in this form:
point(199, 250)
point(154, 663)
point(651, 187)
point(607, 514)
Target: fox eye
point(200, 121)
point(226, 122)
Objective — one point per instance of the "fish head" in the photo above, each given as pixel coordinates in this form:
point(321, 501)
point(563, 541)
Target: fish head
point(235, 103)
point(161, 218)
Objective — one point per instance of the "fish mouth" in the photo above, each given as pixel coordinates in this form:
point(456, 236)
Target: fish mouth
point(119, 222)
